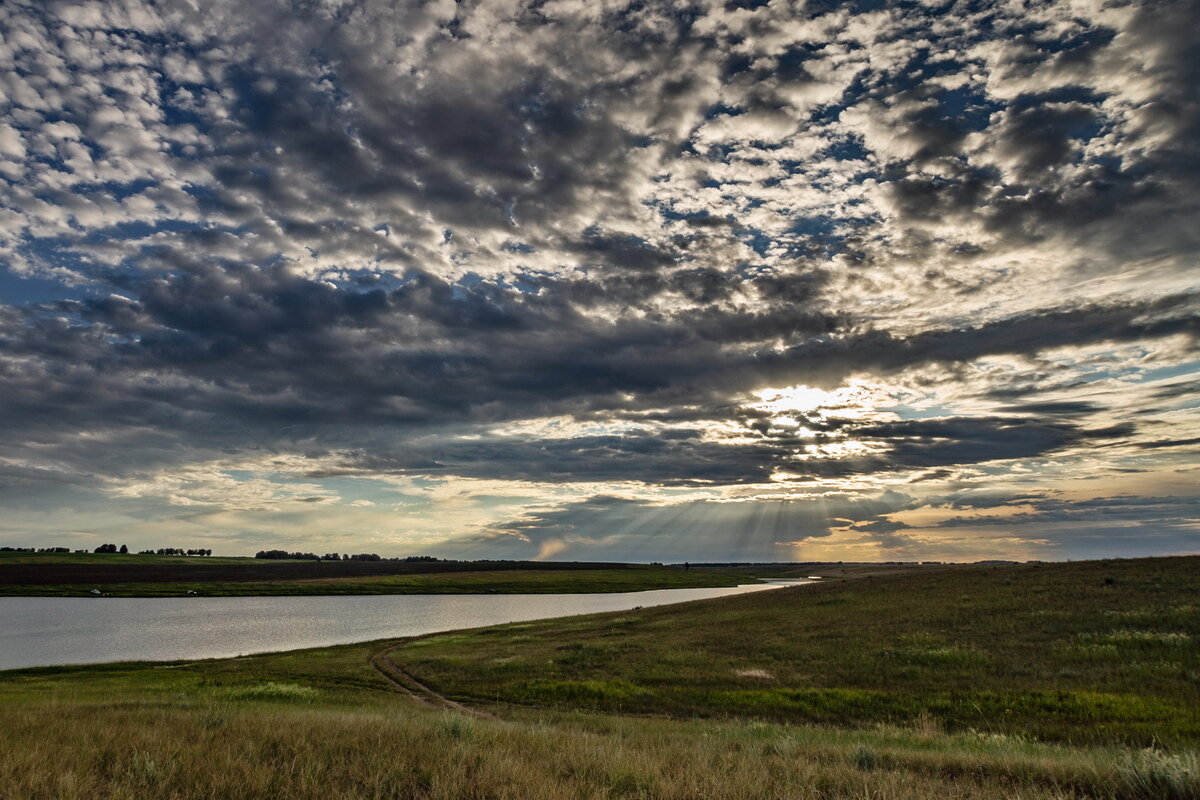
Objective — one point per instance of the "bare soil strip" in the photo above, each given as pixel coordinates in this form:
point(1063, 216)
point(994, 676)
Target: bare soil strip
point(59, 574)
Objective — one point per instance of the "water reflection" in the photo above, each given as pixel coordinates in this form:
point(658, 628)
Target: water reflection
point(43, 631)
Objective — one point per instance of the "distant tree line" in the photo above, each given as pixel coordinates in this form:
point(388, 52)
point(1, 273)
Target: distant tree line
point(175, 551)
point(35, 549)
point(204, 551)
point(162, 551)
point(112, 548)
point(282, 554)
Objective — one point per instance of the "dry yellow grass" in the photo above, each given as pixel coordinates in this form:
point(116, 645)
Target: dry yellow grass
point(128, 750)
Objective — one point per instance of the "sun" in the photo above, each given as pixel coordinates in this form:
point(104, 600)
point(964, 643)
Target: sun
point(795, 399)
point(856, 400)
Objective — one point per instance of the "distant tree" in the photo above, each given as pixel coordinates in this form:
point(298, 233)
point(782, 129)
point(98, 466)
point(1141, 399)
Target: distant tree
point(280, 554)
point(123, 549)
point(106, 548)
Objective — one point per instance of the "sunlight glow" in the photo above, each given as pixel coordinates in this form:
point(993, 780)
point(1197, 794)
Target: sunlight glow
point(858, 400)
point(795, 398)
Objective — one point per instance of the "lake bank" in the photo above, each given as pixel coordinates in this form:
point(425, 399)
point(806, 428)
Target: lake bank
point(155, 576)
point(50, 631)
point(123, 575)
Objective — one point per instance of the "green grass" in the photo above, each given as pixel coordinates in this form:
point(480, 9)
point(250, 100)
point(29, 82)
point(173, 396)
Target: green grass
point(627, 579)
point(1086, 653)
point(967, 683)
point(320, 723)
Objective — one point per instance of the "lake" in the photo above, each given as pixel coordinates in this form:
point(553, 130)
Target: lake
point(46, 631)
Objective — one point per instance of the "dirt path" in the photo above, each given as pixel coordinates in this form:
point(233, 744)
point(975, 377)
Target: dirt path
point(404, 682)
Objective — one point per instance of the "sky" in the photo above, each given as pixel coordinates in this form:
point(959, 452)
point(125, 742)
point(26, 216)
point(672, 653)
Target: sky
point(593, 280)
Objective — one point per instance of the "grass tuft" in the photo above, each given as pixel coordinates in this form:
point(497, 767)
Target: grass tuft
point(1153, 774)
point(284, 692)
point(866, 759)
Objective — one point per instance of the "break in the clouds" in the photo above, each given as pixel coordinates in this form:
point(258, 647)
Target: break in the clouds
point(585, 279)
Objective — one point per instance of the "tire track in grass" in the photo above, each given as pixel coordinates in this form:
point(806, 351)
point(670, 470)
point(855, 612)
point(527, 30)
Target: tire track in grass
point(403, 681)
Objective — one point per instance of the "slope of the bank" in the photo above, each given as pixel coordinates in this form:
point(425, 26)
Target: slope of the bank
point(1103, 651)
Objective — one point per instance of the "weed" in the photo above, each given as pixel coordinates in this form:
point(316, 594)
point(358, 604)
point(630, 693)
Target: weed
point(144, 770)
point(457, 726)
point(213, 719)
point(865, 758)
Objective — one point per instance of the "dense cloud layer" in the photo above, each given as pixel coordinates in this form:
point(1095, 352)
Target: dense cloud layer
point(444, 275)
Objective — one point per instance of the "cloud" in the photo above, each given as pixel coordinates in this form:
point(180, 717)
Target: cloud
point(564, 245)
point(617, 527)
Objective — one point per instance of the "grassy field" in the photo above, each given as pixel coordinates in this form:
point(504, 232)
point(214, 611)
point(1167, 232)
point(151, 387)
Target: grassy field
point(509, 581)
point(1084, 652)
point(713, 699)
point(25, 575)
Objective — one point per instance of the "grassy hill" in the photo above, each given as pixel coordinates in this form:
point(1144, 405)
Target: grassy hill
point(1084, 652)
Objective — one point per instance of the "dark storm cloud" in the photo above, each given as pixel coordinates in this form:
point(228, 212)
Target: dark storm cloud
point(1161, 443)
point(1048, 158)
point(683, 457)
point(284, 350)
point(1177, 510)
point(670, 458)
point(932, 443)
point(880, 351)
point(1067, 408)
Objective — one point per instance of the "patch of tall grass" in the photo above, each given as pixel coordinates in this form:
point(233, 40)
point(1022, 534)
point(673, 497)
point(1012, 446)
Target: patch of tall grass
point(279, 692)
point(1153, 774)
point(1127, 637)
point(402, 751)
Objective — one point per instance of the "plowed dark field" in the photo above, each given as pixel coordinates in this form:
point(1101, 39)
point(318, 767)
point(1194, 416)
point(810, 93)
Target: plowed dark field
point(67, 574)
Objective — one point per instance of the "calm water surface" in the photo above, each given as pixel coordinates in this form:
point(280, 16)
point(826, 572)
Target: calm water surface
point(45, 631)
